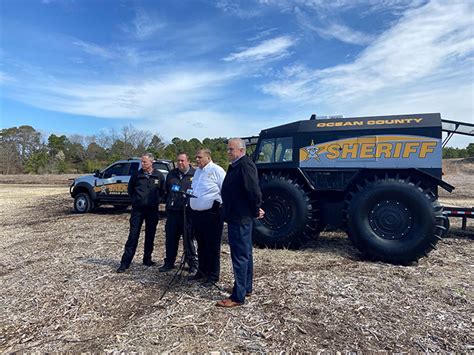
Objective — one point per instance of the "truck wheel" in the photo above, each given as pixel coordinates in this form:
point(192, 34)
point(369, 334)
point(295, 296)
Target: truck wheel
point(394, 220)
point(288, 220)
point(82, 203)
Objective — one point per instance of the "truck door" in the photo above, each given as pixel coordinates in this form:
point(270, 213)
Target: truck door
point(114, 182)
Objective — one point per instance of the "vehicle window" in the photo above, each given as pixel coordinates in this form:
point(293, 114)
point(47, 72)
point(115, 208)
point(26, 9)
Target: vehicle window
point(133, 168)
point(284, 149)
point(161, 166)
point(266, 152)
point(118, 169)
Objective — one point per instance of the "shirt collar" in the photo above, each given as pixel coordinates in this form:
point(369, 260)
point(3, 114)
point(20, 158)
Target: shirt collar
point(184, 173)
point(207, 165)
point(233, 162)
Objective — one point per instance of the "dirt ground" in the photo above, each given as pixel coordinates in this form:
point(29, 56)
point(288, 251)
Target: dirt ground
point(59, 290)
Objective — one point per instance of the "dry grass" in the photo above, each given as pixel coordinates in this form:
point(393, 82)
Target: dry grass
point(60, 291)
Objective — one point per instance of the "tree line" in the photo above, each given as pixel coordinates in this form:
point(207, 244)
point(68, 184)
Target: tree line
point(25, 150)
point(450, 152)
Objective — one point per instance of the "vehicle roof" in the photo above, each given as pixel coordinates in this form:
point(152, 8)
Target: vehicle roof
point(333, 124)
point(136, 159)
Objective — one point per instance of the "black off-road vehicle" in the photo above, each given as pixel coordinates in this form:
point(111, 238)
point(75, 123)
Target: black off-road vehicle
point(375, 177)
point(109, 186)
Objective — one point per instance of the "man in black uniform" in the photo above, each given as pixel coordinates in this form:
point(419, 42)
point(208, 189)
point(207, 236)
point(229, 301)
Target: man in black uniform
point(145, 188)
point(180, 178)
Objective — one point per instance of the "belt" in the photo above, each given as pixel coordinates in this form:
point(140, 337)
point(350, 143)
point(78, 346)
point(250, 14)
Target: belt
point(201, 211)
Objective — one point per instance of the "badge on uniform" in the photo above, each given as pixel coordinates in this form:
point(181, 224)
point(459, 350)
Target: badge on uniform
point(157, 182)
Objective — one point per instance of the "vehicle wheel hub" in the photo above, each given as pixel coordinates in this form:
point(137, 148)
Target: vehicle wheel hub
point(390, 219)
point(81, 204)
point(277, 212)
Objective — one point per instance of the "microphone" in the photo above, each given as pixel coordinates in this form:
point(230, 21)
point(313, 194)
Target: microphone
point(187, 193)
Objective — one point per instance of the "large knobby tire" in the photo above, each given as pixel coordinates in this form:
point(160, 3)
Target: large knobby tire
point(394, 220)
point(288, 221)
point(82, 203)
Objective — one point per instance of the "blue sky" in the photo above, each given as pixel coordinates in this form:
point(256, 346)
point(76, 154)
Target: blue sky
point(210, 68)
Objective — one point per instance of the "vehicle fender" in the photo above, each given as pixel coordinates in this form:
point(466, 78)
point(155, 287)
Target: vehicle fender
point(80, 187)
point(414, 172)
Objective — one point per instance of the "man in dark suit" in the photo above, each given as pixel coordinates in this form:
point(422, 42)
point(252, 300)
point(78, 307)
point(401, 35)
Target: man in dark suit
point(145, 189)
point(241, 198)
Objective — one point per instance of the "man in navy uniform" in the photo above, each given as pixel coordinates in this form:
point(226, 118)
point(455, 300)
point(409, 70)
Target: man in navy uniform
point(181, 179)
point(241, 198)
point(145, 188)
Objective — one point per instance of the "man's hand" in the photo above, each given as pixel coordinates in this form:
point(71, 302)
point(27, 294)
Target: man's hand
point(261, 213)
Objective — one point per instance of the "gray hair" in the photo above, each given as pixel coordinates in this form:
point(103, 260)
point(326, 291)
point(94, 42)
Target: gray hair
point(240, 143)
point(148, 155)
point(206, 151)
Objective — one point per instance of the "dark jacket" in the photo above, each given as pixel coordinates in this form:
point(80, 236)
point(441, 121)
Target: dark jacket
point(146, 191)
point(241, 195)
point(176, 201)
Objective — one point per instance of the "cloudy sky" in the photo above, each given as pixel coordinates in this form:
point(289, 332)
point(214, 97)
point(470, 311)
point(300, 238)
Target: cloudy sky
point(210, 68)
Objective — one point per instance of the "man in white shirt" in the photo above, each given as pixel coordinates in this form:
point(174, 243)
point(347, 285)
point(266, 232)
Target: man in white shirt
point(206, 216)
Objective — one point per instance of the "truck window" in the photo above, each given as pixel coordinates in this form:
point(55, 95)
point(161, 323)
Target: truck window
point(265, 154)
point(284, 149)
point(276, 150)
point(161, 166)
point(119, 169)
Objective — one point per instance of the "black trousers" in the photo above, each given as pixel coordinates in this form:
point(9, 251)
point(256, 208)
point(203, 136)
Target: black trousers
point(138, 215)
point(174, 230)
point(207, 227)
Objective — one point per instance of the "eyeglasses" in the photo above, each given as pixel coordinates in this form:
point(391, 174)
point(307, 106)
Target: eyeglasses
point(198, 157)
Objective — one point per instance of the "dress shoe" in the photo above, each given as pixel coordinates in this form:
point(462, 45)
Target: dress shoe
point(122, 269)
point(230, 290)
point(149, 263)
point(165, 268)
point(228, 303)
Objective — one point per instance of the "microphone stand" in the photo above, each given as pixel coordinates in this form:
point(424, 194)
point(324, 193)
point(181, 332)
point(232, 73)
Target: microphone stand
point(185, 256)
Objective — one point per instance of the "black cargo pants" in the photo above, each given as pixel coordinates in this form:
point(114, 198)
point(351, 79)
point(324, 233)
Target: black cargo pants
point(138, 215)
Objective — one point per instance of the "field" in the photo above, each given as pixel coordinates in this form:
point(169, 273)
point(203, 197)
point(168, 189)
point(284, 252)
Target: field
point(60, 291)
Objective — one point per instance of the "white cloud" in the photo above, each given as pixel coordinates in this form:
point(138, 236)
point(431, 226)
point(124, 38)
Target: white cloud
point(206, 123)
point(165, 94)
point(334, 30)
point(235, 8)
point(269, 49)
point(431, 43)
point(325, 6)
point(144, 25)
point(323, 17)
point(4, 78)
point(93, 49)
